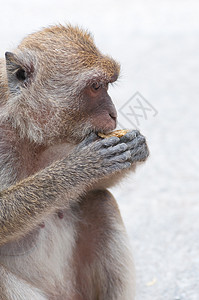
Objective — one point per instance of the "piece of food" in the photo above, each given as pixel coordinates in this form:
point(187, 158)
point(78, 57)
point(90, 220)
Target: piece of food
point(117, 133)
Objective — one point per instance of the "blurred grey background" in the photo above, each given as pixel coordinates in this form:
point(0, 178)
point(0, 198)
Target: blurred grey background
point(157, 44)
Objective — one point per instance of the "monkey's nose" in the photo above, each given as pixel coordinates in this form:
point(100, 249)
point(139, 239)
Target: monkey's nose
point(114, 117)
point(113, 114)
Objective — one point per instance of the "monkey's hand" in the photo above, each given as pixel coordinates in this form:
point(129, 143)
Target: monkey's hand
point(105, 157)
point(101, 157)
point(117, 156)
point(137, 145)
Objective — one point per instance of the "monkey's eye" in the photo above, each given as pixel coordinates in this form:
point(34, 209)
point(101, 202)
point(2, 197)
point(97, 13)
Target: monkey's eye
point(96, 86)
point(21, 74)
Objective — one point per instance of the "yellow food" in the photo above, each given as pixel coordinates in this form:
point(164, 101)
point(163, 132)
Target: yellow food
point(117, 133)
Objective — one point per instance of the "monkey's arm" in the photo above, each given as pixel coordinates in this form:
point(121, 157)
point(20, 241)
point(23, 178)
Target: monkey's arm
point(24, 205)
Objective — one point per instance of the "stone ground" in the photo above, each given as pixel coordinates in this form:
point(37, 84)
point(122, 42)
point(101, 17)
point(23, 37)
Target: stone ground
point(158, 46)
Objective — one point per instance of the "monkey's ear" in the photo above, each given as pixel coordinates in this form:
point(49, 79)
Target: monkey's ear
point(18, 72)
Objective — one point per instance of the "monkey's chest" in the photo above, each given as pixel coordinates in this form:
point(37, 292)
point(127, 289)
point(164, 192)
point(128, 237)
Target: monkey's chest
point(30, 242)
point(20, 247)
point(45, 256)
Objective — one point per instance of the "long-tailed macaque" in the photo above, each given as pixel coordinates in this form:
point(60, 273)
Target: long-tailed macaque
point(61, 233)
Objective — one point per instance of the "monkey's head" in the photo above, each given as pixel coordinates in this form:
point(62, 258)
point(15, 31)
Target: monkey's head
point(57, 82)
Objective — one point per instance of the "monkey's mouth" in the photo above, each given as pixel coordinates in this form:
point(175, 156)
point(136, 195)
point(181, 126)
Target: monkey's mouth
point(110, 126)
point(99, 124)
point(105, 130)
point(104, 124)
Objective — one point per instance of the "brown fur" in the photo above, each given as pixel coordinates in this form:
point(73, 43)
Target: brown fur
point(61, 232)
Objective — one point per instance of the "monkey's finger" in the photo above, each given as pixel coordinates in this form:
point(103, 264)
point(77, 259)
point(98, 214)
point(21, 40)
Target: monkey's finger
point(139, 154)
point(123, 157)
point(137, 150)
point(119, 148)
point(92, 137)
point(129, 136)
point(138, 141)
point(108, 142)
point(112, 141)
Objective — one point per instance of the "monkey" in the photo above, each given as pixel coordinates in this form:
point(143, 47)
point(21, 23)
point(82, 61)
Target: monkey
point(61, 232)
